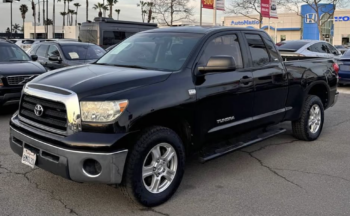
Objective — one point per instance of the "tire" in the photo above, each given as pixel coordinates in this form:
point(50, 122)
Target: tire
point(134, 185)
point(301, 128)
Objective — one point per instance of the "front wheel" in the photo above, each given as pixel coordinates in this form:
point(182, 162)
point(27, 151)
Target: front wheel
point(155, 167)
point(310, 124)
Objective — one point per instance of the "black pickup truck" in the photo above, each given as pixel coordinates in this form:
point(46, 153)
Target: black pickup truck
point(163, 95)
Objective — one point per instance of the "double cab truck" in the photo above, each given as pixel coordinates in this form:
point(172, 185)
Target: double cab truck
point(164, 95)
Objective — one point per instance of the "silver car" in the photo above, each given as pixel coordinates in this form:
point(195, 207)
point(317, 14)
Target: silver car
point(308, 48)
point(26, 44)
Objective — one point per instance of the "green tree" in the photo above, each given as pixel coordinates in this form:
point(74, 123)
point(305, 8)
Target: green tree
point(105, 9)
point(24, 9)
point(77, 5)
point(118, 12)
point(68, 17)
point(16, 28)
point(111, 3)
point(71, 13)
point(142, 5)
point(64, 14)
point(99, 7)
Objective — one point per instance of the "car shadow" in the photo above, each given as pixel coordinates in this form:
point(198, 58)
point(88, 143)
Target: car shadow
point(8, 109)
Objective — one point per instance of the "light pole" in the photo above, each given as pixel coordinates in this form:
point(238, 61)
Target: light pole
point(11, 1)
point(276, 29)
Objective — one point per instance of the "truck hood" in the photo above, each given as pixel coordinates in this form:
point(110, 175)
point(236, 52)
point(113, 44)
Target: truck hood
point(20, 68)
point(94, 80)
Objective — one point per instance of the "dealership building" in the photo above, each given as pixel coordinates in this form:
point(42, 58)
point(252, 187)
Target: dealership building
point(291, 26)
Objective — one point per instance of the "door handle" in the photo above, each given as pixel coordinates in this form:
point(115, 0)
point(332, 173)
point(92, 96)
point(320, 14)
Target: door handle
point(246, 80)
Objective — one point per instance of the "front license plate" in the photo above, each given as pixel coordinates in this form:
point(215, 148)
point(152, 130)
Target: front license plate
point(28, 158)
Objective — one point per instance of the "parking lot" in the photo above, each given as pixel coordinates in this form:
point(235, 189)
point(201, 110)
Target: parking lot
point(280, 176)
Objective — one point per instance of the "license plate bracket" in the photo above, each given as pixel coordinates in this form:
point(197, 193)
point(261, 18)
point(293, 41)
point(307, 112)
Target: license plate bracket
point(28, 158)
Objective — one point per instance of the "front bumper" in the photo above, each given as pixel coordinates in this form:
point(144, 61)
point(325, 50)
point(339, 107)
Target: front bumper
point(68, 163)
point(10, 94)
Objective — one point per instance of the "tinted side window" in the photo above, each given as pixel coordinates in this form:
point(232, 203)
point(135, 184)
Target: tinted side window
point(332, 49)
point(225, 45)
point(319, 47)
point(258, 51)
point(53, 51)
point(34, 49)
point(42, 50)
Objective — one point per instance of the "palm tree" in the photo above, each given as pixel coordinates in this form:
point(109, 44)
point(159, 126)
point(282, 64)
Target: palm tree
point(105, 9)
point(71, 13)
point(24, 9)
point(99, 6)
point(87, 10)
point(77, 5)
point(64, 10)
point(111, 3)
point(63, 14)
point(54, 17)
point(142, 4)
point(118, 12)
point(16, 28)
point(68, 17)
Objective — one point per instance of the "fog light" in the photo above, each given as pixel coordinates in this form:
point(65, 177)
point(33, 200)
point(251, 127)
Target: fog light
point(92, 168)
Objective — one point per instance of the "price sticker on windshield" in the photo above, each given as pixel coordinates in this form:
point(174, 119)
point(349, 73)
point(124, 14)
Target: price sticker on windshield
point(74, 55)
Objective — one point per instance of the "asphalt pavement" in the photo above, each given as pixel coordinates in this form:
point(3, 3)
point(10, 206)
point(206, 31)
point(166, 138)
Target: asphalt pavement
point(280, 176)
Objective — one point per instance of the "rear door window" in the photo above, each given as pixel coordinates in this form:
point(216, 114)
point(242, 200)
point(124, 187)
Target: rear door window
point(291, 45)
point(34, 49)
point(319, 47)
point(42, 51)
point(258, 50)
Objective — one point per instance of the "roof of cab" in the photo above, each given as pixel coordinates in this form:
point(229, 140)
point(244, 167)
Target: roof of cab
point(199, 29)
point(66, 42)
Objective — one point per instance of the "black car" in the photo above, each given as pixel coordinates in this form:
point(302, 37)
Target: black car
point(136, 115)
point(16, 69)
point(58, 54)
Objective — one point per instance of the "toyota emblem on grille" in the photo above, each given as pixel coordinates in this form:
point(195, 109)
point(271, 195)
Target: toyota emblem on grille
point(38, 110)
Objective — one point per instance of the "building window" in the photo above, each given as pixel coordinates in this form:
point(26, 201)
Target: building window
point(283, 38)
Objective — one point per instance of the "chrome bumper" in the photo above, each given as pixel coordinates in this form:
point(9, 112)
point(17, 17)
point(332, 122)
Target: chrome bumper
point(69, 163)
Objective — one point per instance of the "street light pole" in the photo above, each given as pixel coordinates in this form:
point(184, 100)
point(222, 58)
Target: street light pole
point(11, 19)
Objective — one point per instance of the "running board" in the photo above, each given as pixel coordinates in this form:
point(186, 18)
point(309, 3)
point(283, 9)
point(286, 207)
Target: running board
point(223, 151)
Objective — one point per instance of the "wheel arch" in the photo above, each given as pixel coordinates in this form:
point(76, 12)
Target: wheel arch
point(173, 119)
point(321, 90)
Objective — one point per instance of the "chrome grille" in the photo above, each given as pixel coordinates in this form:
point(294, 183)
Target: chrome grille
point(17, 80)
point(54, 117)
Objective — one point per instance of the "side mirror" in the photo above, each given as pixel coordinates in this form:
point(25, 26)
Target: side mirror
point(34, 57)
point(55, 58)
point(219, 64)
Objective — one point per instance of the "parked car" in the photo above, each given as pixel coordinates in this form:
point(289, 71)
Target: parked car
point(58, 54)
point(344, 66)
point(341, 48)
point(16, 69)
point(106, 32)
point(111, 47)
point(133, 117)
point(26, 44)
point(308, 48)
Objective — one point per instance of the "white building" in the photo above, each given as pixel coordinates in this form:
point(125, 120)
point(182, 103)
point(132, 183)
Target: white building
point(67, 32)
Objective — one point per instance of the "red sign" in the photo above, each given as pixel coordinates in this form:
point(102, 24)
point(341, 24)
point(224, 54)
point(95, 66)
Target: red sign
point(209, 4)
point(265, 8)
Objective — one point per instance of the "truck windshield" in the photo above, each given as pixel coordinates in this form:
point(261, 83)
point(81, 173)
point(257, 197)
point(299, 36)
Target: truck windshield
point(165, 51)
point(10, 52)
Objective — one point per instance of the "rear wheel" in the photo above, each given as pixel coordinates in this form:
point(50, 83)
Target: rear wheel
point(310, 124)
point(155, 167)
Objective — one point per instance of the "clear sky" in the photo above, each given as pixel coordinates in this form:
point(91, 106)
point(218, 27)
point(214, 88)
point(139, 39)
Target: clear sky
point(129, 11)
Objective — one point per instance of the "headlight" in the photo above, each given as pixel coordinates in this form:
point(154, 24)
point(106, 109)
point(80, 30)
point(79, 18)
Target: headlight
point(104, 111)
